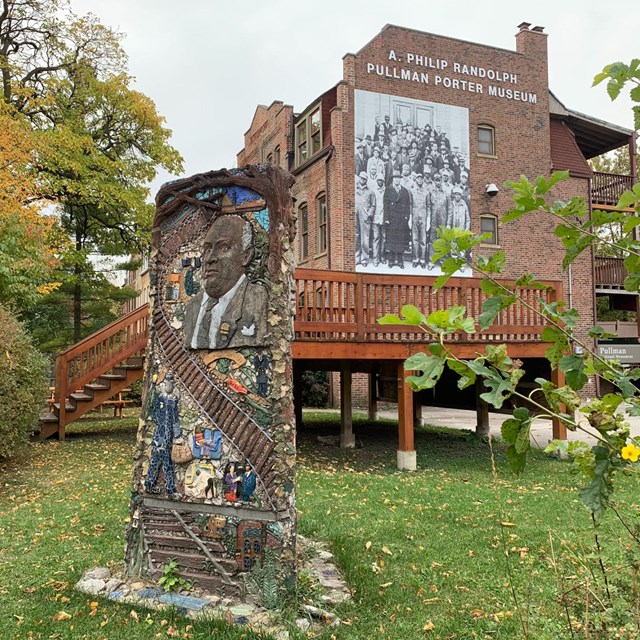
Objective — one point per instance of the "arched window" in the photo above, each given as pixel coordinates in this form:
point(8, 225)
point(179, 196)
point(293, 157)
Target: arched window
point(276, 156)
point(321, 216)
point(489, 224)
point(486, 140)
point(303, 219)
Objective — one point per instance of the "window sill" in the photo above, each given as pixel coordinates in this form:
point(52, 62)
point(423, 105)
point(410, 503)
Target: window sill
point(487, 155)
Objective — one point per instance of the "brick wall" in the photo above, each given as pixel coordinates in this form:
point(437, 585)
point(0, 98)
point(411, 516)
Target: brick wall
point(271, 128)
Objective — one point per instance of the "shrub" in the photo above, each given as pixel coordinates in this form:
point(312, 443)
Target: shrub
point(23, 384)
point(315, 389)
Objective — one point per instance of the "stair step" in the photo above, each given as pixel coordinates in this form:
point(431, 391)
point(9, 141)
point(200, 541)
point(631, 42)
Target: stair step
point(135, 362)
point(69, 408)
point(112, 376)
point(97, 387)
point(81, 397)
point(48, 417)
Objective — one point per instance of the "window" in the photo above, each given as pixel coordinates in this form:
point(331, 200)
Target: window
point(276, 156)
point(270, 158)
point(489, 224)
point(308, 136)
point(321, 213)
point(486, 143)
point(304, 231)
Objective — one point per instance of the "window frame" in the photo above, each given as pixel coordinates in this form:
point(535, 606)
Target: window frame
point(322, 243)
point(494, 219)
point(306, 136)
point(303, 216)
point(492, 131)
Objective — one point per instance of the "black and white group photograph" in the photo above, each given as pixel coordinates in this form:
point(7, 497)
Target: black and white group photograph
point(411, 177)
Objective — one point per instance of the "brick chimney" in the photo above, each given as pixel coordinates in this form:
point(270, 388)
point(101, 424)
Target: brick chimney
point(532, 42)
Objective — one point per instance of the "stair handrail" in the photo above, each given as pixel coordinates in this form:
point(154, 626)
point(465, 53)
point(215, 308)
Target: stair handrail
point(135, 341)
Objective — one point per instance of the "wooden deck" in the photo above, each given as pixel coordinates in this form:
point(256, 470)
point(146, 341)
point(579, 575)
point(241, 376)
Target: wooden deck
point(606, 188)
point(337, 315)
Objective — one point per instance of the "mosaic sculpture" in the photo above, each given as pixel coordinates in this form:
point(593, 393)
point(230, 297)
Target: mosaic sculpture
point(213, 485)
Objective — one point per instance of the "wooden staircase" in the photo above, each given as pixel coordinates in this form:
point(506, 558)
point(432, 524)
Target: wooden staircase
point(95, 369)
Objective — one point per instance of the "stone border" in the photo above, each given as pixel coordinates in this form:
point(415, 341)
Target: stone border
point(313, 559)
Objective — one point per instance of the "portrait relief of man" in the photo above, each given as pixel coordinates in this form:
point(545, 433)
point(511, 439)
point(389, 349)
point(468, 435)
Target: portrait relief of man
point(229, 311)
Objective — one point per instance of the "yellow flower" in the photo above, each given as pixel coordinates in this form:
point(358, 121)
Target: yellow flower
point(630, 452)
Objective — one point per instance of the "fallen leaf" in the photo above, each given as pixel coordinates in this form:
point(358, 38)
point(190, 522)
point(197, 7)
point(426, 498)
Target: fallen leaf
point(387, 551)
point(134, 615)
point(367, 545)
point(507, 524)
point(385, 585)
point(429, 626)
point(61, 615)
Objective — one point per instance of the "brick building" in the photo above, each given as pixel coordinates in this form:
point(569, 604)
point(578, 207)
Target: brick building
point(499, 120)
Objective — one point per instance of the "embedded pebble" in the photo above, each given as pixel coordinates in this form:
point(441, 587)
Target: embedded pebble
point(91, 586)
point(99, 573)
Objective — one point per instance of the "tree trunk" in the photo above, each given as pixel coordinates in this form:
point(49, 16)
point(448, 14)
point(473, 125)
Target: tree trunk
point(77, 290)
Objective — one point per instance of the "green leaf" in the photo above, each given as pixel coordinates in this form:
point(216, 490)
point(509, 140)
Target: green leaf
point(390, 318)
point(599, 332)
point(523, 442)
point(467, 376)
point(595, 496)
point(499, 390)
point(491, 307)
point(413, 315)
point(510, 429)
point(430, 366)
point(573, 368)
point(516, 461)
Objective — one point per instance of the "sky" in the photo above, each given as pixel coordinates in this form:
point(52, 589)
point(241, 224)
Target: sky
point(207, 64)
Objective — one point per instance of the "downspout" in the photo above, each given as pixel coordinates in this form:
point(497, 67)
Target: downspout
point(326, 192)
point(593, 280)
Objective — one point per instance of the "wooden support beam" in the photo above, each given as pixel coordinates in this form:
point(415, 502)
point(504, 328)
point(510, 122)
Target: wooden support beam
point(482, 410)
point(406, 447)
point(559, 431)
point(347, 439)
point(373, 395)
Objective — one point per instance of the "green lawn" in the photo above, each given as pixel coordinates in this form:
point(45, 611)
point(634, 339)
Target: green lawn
point(438, 553)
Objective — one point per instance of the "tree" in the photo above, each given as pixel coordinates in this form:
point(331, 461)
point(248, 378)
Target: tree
point(98, 141)
point(29, 241)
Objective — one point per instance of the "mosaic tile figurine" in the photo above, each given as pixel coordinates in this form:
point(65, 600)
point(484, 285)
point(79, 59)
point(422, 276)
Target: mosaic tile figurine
point(165, 416)
point(248, 483)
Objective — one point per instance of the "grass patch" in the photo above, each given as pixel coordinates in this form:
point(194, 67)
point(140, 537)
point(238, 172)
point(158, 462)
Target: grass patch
point(449, 544)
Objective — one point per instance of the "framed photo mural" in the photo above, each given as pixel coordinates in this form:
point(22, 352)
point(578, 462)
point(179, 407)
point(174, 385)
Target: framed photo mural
point(411, 177)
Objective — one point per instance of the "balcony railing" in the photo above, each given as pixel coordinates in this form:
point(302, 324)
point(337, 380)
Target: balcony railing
point(610, 272)
point(345, 307)
point(606, 188)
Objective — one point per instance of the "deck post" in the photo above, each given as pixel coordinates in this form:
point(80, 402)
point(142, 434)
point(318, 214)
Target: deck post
point(406, 448)
point(482, 411)
point(297, 395)
point(347, 439)
point(373, 395)
point(559, 431)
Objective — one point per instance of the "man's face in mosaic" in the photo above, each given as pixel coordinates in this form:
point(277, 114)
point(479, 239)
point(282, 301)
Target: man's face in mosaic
point(224, 260)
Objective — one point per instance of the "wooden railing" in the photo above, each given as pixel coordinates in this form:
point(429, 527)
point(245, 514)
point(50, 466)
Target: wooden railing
point(610, 272)
point(98, 353)
point(342, 306)
point(606, 188)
